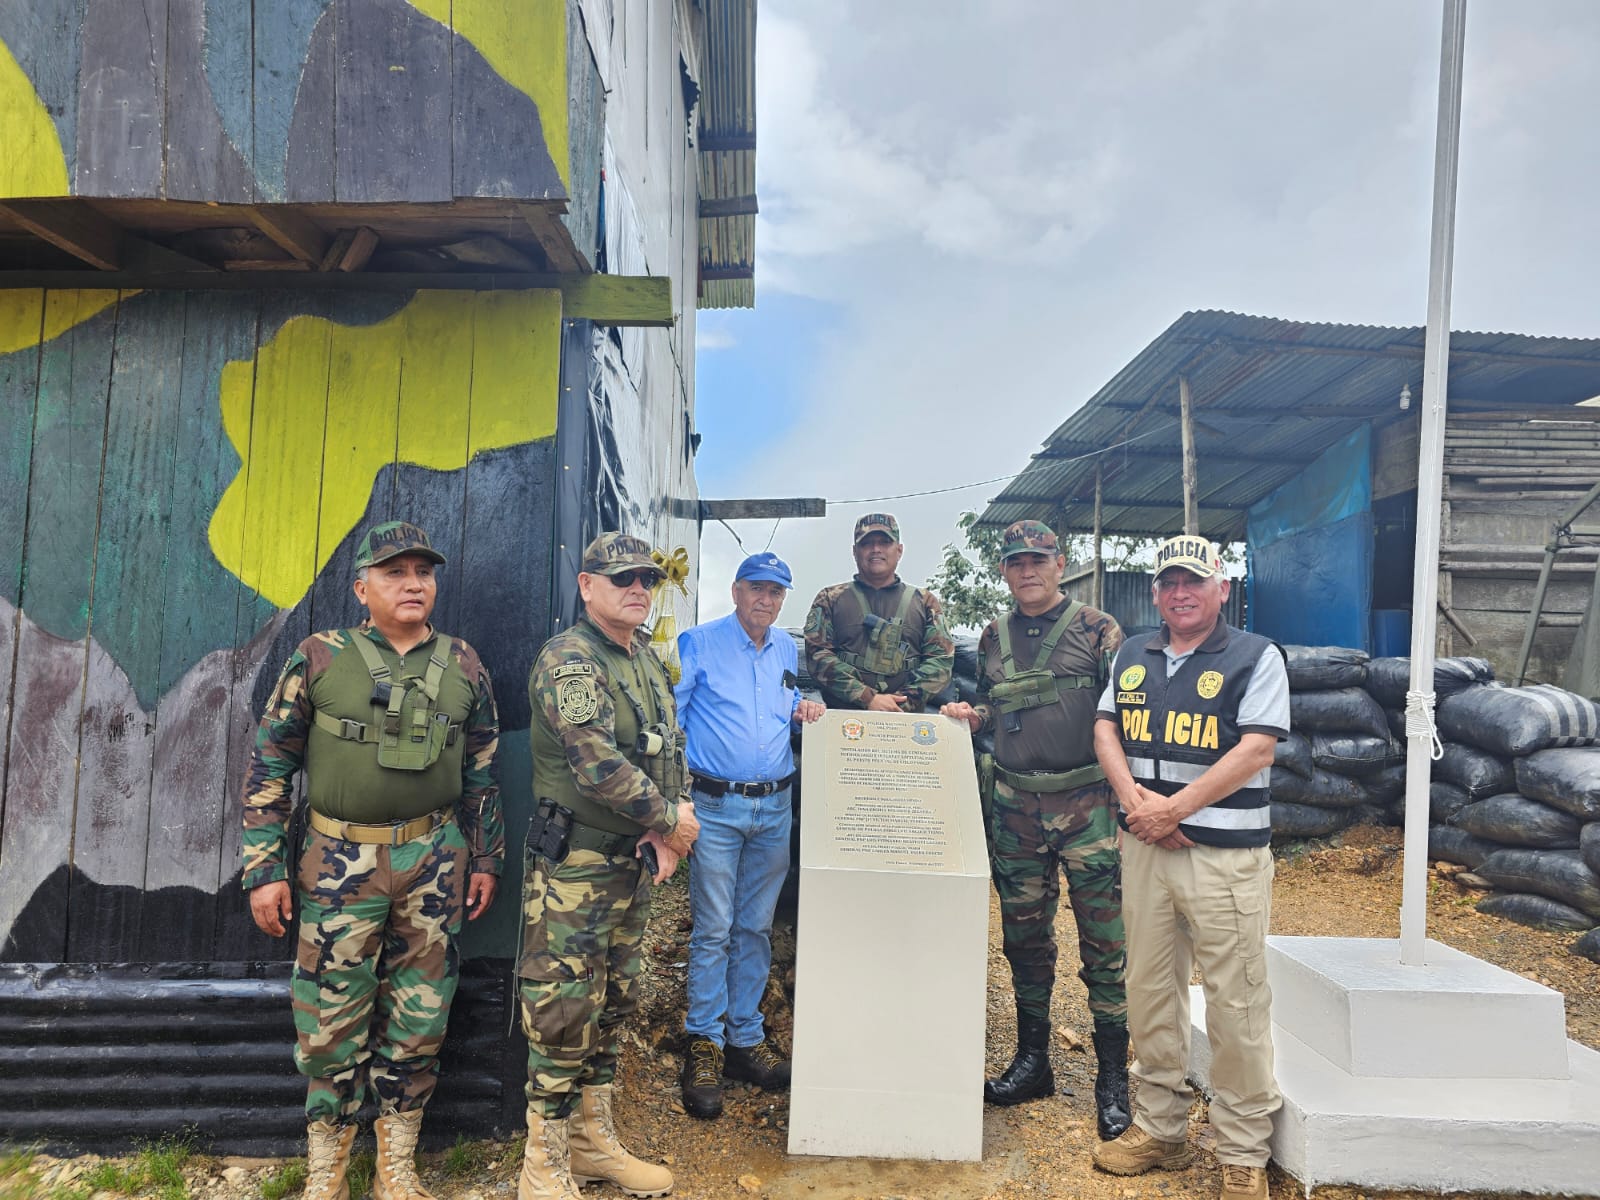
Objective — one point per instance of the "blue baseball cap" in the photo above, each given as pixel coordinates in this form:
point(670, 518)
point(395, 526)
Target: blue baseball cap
point(765, 567)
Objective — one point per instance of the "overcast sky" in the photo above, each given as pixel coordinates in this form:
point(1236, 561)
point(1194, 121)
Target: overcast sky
point(973, 215)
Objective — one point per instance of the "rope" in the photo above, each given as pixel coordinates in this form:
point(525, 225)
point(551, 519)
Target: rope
point(1419, 721)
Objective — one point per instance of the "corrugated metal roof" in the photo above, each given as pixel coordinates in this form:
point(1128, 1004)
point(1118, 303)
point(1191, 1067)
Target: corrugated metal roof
point(1268, 397)
point(728, 156)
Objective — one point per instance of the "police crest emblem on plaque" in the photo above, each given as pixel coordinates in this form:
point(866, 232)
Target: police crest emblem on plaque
point(923, 733)
point(852, 730)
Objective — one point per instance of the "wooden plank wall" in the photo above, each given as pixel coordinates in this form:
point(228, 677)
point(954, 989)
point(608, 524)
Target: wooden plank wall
point(352, 101)
point(183, 480)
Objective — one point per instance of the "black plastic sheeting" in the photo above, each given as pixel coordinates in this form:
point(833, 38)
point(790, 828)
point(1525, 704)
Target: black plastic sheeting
point(98, 1058)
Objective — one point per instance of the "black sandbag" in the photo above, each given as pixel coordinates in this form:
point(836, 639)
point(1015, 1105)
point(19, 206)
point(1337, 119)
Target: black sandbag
point(1445, 800)
point(966, 655)
point(1321, 667)
point(1357, 754)
point(1588, 945)
point(1512, 722)
point(1457, 845)
point(1326, 789)
point(1286, 785)
point(1376, 814)
point(1397, 724)
point(1291, 821)
point(1386, 786)
point(1514, 820)
point(1389, 679)
point(1538, 911)
point(1474, 771)
point(1294, 754)
point(1559, 874)
point(1338, 710)
point(1568, 778)
point(1589, 845)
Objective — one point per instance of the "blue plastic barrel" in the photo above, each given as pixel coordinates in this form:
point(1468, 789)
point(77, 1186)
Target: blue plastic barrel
point(1391, 632)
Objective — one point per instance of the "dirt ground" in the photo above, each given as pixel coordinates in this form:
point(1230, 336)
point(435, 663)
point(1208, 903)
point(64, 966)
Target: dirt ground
point(1347, 886)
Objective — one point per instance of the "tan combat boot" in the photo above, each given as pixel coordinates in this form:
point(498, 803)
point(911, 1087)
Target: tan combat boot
point(597, 1154)
point(328, 1160)
point(1244, 1183)
point(396, 1176)
point(545, 1171)
point(1135, 1152)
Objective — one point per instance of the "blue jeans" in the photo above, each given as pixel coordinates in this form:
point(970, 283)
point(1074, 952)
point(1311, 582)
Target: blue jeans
point(735, 874)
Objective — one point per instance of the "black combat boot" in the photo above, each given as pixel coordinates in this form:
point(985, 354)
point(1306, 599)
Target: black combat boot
point(1111, 1080)
point(1029, 1076)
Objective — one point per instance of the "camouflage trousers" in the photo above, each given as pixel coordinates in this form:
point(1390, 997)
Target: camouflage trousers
point(376, 968)
point(1032, 837)
point(582, 924)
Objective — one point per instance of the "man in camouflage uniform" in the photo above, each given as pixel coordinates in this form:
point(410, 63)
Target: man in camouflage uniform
point(1042, 668)
point(611, 790)
point(877, 642)
point(394, 724)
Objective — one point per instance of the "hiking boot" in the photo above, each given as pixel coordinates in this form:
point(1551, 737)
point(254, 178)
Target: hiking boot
point(545, 1158)
point(1243, 1183)
point(396, 1175)
point(328, 1160)
point(1112, 1114)
point(702, 1078)
point(1029, 1076)
point(1136, 1152)
point(759, 1064)
point(598, 1154)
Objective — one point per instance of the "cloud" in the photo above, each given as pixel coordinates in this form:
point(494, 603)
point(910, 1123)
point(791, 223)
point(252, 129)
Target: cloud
point(713, 337)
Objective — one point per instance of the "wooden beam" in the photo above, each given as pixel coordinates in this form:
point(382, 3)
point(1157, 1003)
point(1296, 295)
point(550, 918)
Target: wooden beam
point(728, 271)
point(266, 264)
point(359, 251)
point(1191, 474)
point(296, 234)
point(554, 240)
point(710, 142)
point(618, 299)
point(70, 225)
point(728, 206)
point(765, 509)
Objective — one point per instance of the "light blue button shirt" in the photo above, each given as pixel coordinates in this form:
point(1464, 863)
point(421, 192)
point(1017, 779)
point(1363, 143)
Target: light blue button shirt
point(732, 701)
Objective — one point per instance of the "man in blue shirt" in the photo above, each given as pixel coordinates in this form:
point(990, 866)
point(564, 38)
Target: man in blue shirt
point(737, 701)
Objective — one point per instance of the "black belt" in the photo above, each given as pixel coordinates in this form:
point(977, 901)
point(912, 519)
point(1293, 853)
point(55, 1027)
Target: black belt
point(602, 841)
point(712, 786)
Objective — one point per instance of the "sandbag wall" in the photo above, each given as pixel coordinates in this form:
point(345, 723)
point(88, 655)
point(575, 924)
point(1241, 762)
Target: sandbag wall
point(1515, 796)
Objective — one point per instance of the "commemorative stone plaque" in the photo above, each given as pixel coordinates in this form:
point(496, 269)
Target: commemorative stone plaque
point(893, 941)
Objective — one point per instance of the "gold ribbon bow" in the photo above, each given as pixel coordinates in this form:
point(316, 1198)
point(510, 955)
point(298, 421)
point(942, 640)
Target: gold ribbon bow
point(674, 568)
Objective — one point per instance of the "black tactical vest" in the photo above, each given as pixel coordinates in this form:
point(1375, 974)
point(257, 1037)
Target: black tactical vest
point(1173, 729)
point(853, 641)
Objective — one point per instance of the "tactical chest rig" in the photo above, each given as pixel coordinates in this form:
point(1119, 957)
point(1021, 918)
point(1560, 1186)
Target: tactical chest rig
point(1038, 687)
point(660, 745)
point(410, 735)
point(887, 651)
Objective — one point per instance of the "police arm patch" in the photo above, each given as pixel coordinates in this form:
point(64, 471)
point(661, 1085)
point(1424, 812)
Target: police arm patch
point(576, 699)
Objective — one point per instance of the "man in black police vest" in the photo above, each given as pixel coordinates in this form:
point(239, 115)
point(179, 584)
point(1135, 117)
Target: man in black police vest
point(1186, 732)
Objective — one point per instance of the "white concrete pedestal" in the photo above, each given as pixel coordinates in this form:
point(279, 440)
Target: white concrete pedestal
point(1452, 1076)
point(893, 942)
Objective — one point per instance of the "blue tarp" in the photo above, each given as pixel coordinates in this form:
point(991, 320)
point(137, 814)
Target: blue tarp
point(1310, 544)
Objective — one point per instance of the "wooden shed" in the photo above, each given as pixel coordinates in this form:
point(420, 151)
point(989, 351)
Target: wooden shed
point(270, 273)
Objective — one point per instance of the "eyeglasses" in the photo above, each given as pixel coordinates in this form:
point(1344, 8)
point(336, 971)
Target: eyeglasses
point(624, 580)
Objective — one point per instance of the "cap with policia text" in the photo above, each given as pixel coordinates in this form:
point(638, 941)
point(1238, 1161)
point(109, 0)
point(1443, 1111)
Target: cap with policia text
point(392, 539)
point(877, 523)
point(1191, 553)
point(1028, 537)
point(613, 553)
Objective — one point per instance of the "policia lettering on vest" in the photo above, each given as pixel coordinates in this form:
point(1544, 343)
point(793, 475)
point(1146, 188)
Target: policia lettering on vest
point(394, 725)
point(1048, 811)
point(1185, 733)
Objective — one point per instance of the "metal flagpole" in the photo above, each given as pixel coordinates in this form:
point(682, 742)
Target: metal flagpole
point(1421, 738)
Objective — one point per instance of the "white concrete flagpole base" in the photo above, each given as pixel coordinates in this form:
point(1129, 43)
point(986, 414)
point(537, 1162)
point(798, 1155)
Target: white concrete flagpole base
point(1455, 1076)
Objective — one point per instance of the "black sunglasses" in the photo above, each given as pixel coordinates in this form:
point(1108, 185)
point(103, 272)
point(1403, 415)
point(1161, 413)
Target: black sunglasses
point(626, 579)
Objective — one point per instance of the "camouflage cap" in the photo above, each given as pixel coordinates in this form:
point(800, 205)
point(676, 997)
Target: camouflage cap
point(392, 539)
point(613, 553)
point(1191, 553)
point(1028, 537)
point(877, 523)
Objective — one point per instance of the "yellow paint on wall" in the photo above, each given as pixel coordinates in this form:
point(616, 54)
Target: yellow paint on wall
point(31, 159)
point(323, 407)
point(525, 41)
point(20, 314)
